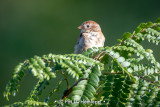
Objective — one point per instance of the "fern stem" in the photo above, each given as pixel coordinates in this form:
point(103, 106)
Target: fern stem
point(68, 91)
point(65, 78)
point(150, 81)
point(112, 73)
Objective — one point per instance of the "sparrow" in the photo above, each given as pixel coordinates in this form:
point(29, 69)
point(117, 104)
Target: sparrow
point(90, 36)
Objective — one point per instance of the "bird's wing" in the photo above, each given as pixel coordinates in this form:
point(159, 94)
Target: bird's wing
point(79, 38)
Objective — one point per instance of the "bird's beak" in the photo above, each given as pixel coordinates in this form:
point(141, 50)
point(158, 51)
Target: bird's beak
point(80, 27)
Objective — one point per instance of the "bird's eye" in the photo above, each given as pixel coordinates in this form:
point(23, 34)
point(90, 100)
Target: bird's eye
point(87, 25)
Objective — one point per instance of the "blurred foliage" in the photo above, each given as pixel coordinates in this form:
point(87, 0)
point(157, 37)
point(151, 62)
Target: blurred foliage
point(125, 81)
point(29, 28)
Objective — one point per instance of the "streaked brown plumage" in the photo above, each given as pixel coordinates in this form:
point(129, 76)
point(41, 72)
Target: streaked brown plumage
point(90, 36)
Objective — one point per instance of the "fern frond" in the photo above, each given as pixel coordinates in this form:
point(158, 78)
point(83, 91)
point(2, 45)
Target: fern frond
point(117, 90)
point(143, 93)
point(53, 91)
point(85, 90)
point(44, 68)
point(13, 84)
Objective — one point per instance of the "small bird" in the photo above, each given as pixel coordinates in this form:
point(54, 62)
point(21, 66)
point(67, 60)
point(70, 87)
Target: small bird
point(90, 36)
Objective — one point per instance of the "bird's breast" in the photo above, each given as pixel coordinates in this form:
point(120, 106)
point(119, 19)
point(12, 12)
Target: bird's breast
point(92, 39)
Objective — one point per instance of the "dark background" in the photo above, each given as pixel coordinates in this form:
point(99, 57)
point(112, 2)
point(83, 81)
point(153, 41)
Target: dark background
point(29, 28)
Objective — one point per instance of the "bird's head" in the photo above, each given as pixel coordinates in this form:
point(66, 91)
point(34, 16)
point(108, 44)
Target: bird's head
point(89, 26)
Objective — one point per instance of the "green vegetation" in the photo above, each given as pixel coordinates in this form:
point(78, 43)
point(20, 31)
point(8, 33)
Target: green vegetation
point(125, 74)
